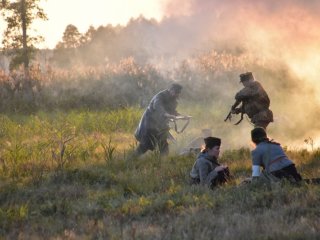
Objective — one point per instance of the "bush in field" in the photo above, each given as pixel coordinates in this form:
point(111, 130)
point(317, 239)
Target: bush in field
point(116, 86)
point(206, 77)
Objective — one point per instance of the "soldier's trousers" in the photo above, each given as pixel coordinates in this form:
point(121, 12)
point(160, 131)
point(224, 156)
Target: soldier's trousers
point(152, 140)
point(289, 173)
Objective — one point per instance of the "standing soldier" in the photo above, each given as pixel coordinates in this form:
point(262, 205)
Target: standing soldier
point(153, 129)
point(254, 102)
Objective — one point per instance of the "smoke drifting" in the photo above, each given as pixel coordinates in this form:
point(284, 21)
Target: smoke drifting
point(205, 45)
point(283, 36)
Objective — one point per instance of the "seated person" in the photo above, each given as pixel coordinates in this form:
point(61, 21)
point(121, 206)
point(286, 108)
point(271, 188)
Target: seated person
point(271, 157)
point(206, 169)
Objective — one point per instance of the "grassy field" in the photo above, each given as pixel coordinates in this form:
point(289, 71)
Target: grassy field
point(67, 176)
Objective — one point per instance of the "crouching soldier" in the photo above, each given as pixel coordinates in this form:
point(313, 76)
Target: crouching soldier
point(271, 157)
point(254, 102)
point(206, 169)
point(153, 129)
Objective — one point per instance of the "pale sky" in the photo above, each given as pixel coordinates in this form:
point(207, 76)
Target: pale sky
point(82, 14)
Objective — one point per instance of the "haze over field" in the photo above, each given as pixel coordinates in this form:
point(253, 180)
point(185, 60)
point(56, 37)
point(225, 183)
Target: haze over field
point(279, 36)
point(69, 109)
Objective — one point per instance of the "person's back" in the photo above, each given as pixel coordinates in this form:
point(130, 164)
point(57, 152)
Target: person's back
point(254, 97)
point(272, 158)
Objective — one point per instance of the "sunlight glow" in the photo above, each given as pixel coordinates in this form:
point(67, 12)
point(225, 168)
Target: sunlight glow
point(82, 14)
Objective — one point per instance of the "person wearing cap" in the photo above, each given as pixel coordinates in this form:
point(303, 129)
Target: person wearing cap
point(254, 101)
point(153, 128)
point(270, 156)
point(206, 169)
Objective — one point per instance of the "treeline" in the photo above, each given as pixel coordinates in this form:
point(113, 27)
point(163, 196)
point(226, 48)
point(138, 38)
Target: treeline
point(123, 84)
point(105, 44)
point(122, 66)
point(162, 44)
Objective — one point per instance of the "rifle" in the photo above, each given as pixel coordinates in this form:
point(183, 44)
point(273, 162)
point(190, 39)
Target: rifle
point(241, 118)
point(187, 118)
point(229, 116)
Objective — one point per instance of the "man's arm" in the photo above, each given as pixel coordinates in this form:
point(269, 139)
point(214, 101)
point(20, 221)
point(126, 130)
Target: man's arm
point(255, 171)
point(236, 104)
point(203, 172)
point(246, 93)
point(158, 106)
point(256, 163)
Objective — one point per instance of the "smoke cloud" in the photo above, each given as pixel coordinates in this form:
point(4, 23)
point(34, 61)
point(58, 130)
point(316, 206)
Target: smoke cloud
point(282, 35)
point(206, 44)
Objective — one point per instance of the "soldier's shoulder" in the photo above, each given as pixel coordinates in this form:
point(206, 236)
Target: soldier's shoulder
point(160, 95)
point(256, 84)
point(202, 160)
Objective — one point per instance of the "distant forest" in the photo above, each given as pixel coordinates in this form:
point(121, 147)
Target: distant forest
point(146, 41)
point(105, 44)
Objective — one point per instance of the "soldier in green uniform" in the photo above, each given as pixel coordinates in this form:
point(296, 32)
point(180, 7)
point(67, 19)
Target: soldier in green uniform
point(253, 101)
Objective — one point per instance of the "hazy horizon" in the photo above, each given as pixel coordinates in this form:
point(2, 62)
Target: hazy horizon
point(282, 37)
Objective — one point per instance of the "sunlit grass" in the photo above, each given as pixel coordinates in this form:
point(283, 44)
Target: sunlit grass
point(93, 191)
point(65, 170)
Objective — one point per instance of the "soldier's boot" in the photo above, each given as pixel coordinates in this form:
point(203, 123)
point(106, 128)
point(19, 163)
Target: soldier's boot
point(138, 152)
point(164, 149)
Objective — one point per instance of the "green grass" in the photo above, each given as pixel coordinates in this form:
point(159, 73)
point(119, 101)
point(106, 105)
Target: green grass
point(67, 176)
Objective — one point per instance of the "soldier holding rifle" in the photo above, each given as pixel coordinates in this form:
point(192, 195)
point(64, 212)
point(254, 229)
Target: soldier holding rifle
point(153, 129)
point(253, 101)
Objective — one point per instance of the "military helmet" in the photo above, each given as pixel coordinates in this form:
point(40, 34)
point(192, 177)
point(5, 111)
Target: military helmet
point(246, 76)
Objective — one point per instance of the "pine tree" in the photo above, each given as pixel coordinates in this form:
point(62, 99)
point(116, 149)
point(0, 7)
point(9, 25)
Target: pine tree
point(17, 42)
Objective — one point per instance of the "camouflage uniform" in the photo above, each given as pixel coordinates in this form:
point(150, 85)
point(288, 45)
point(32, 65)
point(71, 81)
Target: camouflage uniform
point(255, 103)
point(153, 129)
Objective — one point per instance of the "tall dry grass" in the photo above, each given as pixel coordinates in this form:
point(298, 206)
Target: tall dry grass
point(68, 175)
point(65, 138)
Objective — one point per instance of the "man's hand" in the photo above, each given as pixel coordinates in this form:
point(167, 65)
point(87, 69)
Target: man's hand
point(170, 116)
point(236, 111)
point(220, 168)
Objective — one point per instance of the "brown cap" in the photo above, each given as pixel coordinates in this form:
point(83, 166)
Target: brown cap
point(246, 76)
